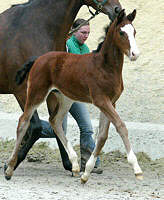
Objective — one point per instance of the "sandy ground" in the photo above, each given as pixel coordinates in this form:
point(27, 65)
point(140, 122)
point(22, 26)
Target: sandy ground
point(142, 101)
point(46, 181)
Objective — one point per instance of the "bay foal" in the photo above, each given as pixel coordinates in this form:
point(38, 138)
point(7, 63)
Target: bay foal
point(32, 29)
point(93, 78)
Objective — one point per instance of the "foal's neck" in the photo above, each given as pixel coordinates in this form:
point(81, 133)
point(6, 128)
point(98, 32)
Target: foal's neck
point(112, 56)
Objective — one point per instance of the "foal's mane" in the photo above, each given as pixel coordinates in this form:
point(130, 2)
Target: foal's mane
point(102, 37)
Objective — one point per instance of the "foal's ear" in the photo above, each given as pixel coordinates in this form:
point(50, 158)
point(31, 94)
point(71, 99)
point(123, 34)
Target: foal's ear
point(132, 15)
point(120, 16)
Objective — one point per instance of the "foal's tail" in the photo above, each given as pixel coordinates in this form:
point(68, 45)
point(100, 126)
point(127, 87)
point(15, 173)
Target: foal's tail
point(21, 73)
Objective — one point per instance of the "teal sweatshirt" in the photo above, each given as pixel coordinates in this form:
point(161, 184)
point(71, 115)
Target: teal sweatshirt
point(75, 47)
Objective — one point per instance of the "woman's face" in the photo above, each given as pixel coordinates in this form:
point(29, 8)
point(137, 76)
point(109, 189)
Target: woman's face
point(82, 34)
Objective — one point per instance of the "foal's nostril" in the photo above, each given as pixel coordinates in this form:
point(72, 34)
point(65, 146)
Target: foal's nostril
point(117, 9)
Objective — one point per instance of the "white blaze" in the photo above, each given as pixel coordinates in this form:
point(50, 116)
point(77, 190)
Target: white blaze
point(129, 30)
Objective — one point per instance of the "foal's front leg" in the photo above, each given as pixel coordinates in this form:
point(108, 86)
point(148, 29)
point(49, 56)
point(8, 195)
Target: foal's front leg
point(120, 126)
point(56, 122)
point(107, 108)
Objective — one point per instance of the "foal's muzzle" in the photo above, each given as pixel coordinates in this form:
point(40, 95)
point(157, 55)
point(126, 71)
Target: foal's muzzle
point(133, 56)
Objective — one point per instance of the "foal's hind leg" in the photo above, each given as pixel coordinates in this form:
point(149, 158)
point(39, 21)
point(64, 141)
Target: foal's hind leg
point(52, 105)
point(23, 125)
point(34, 99)
point(101, 138)
point(34, 130)
point(56, 122)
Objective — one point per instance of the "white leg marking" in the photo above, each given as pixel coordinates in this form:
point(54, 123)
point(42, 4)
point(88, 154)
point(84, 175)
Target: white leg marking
point(89, 167)
point(133, 161)
point(73, 157)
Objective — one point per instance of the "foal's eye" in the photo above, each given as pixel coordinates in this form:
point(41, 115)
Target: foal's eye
point(121, 33)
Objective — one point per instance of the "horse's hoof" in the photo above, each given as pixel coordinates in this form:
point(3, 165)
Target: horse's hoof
point(139, 176)
point(67, 166)
point(6, 176)
point(5, 167)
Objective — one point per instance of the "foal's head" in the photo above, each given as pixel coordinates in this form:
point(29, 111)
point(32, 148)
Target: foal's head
point(124, 34)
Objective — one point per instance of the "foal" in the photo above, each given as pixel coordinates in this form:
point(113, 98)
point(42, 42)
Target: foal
point(92, 78)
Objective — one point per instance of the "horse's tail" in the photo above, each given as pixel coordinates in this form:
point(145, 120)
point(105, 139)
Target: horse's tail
point(21, 73)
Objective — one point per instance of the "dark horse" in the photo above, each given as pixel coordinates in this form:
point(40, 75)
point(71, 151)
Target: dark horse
point(32, 29)
point(98, 81)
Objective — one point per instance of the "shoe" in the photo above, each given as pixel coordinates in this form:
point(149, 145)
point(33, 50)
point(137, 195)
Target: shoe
point(96, 170)
point(85, 155)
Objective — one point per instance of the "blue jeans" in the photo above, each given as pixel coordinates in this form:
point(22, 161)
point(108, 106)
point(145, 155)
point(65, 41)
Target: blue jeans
point(80, 113)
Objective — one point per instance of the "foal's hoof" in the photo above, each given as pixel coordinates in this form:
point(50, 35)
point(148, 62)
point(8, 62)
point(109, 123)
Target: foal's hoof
point(84, 179)
point(139, 176)
point(7, 177)
point(75, 174)
point(76, 170)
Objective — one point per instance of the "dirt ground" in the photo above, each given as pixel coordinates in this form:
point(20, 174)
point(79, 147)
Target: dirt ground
point(42, 176)
point(141, 102)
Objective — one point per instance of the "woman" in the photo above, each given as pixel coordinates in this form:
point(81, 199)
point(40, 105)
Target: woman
point(76, 44)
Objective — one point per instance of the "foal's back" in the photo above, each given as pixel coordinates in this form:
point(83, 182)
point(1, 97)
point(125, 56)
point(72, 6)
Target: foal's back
point(65, 71)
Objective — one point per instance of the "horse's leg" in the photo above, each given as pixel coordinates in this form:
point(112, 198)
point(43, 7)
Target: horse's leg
point(56, 122)
point(34, 99)
point(101, 138)
point(52, 105)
